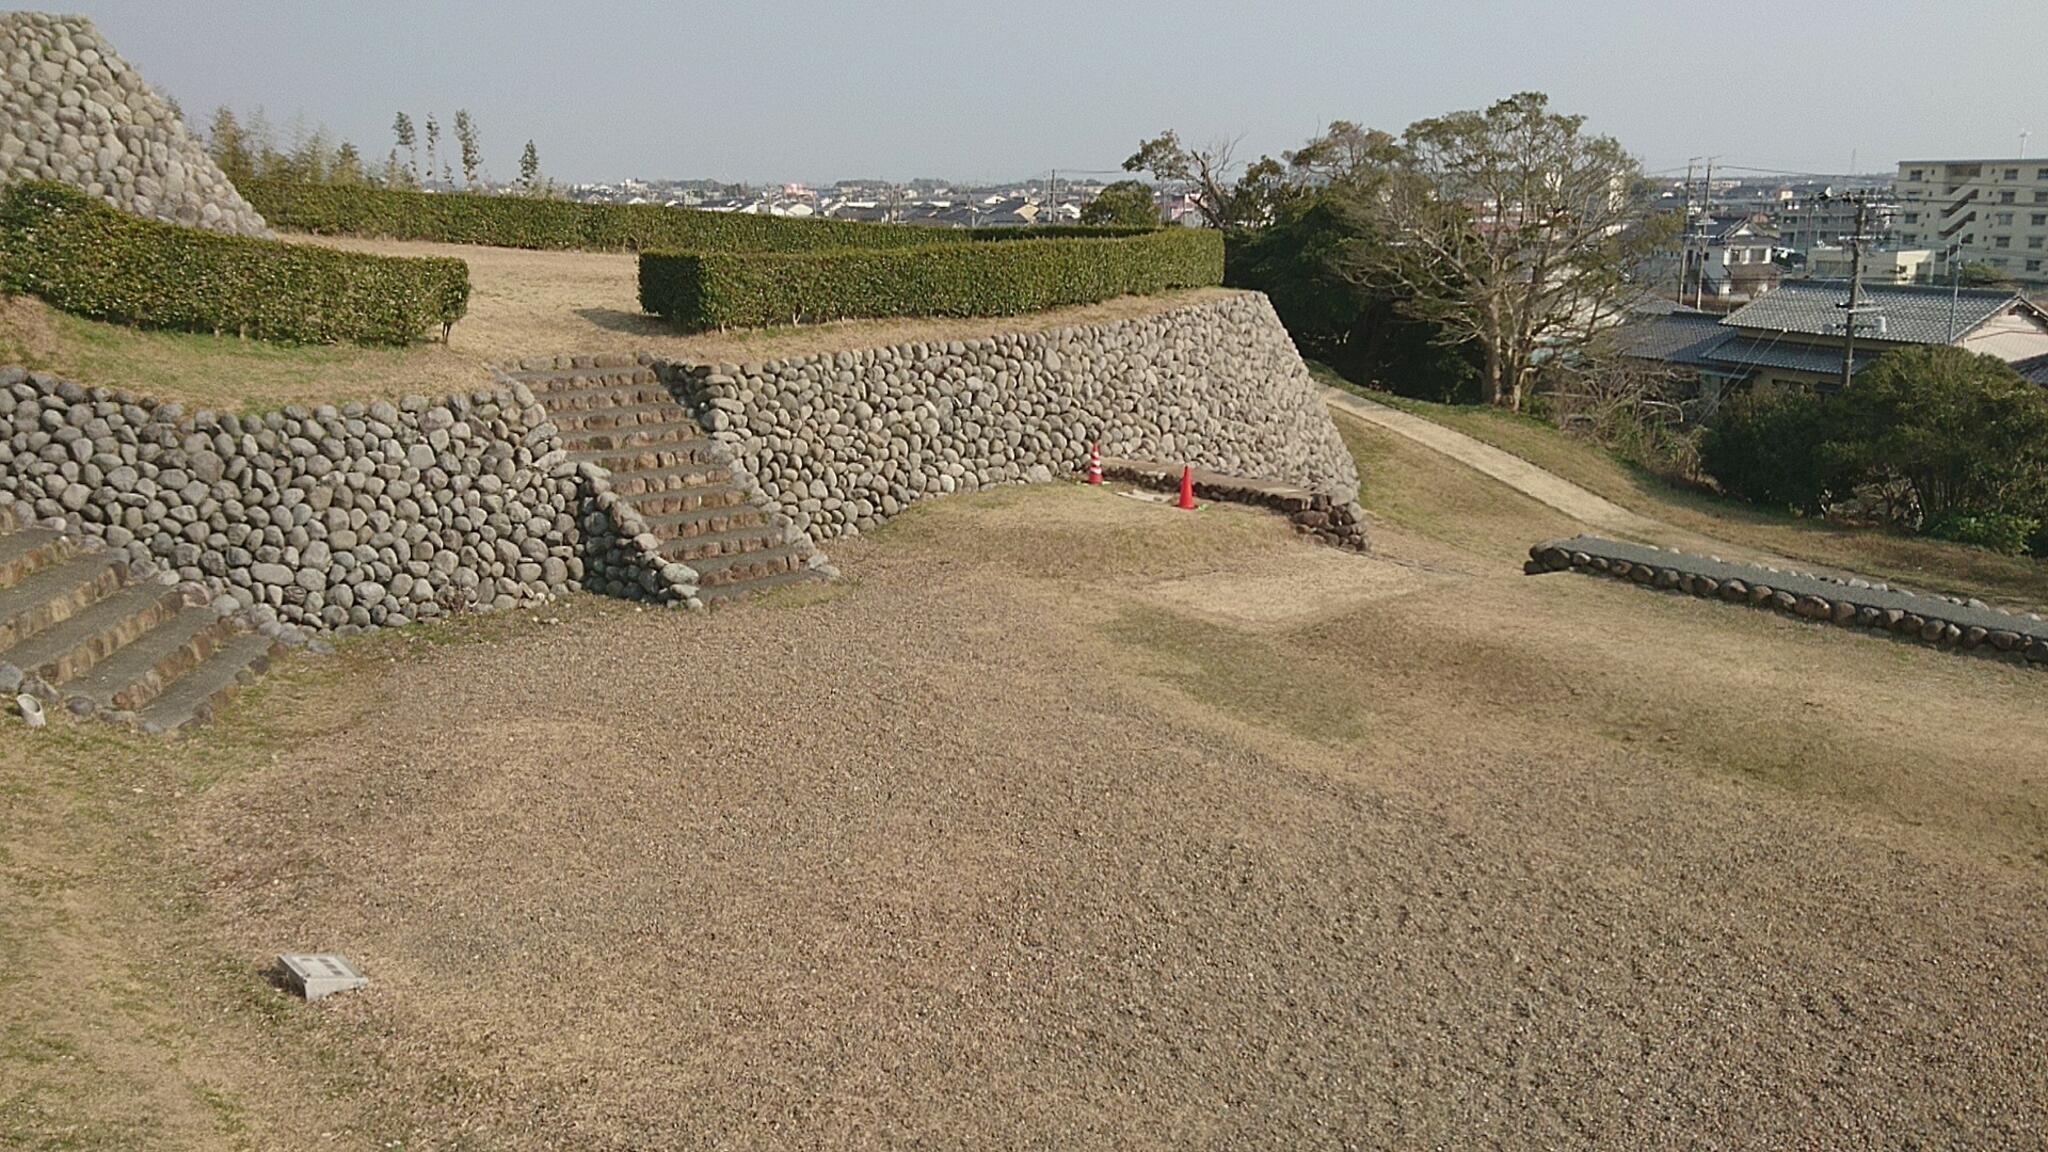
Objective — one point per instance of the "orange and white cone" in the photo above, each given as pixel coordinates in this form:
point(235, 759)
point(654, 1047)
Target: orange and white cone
point(1187, 488)
point(1095, 463)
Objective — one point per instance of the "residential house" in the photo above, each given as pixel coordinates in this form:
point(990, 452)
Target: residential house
point(1794, 335)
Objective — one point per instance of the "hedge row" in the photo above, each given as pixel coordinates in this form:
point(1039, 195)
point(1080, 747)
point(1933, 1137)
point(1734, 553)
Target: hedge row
point(697, 290)
point(92, 260)
point(531, 222)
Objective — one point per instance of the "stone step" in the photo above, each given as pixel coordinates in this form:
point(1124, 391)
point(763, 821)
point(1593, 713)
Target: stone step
point(716, 594)
point(637, 441)
point(691, 498)
point(28, 551)
point(196, 695)
point(53, 595)
point(641, 483)
point(141, 671)
point(622, 417)
point(625, 462)
point(564, 400)
point(707, 520)
point(717, 571)
point(65, 651)
point(709, 545)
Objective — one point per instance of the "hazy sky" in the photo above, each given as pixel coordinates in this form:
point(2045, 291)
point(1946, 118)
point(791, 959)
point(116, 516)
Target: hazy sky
point(971, 89)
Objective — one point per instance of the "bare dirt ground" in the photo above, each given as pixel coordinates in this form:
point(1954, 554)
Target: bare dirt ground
point(521, 304)
point(1070, 821)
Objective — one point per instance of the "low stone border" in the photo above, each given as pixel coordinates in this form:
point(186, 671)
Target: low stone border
point(1946, 621)
point(1313, 514)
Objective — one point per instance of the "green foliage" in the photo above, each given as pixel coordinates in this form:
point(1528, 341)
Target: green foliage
point(89, 259)
point(1770, 448)
point(526, 222)
point(1312, 260)
point(1124, 204)
point(1966, 434)
point(1955, 443)
point(2005, 533)
point(1027, 274)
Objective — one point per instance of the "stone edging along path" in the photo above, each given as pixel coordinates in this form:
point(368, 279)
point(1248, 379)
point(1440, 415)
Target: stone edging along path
point(1946, 621)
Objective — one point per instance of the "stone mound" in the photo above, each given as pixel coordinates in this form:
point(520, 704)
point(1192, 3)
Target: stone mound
point(76, 113)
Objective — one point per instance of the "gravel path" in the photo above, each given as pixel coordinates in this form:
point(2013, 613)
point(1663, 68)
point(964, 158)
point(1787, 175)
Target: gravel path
point(1005, 842)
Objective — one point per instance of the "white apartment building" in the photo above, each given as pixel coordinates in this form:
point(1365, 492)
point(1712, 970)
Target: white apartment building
point(1990, 211)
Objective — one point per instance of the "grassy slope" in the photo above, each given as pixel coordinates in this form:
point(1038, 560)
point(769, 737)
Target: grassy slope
point(1914, 561)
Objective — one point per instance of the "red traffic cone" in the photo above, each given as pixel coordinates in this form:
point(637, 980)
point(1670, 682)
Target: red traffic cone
point(1095, 463)
point(1187, 488)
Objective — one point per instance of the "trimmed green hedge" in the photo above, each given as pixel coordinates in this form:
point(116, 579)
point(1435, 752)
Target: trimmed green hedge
point(87, 258)
point(697, 290)
point(530, 222)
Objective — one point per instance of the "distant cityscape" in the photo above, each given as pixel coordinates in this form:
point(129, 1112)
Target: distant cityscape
point(936, 203)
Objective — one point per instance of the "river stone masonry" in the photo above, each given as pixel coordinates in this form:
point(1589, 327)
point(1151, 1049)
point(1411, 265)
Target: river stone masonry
point(1851, 602)
point(76, 113)
point(331, 518)
point(844, 441)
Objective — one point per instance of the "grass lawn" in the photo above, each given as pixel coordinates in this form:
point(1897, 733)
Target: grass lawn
point(1916, 562)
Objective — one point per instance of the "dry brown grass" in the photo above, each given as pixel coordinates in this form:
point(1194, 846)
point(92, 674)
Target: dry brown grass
point(522, 304)
point(1065, 821)
point(1699, 517)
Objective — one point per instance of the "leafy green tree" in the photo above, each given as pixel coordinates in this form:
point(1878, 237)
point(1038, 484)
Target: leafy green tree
point(472, 153)
point(1204, 173)
point(1512, 227)
point(402, 127)
point(1124, 204)
point(1314, 260)
point(229, 147)
point(434, 164)
point(529, 167)
point(1964, 433)
point(348, 165)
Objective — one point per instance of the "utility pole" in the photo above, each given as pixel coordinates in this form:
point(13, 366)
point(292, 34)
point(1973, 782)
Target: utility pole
point(1699, 297)
point(1685, 236)
point(1955, 286)
point(1855, 306)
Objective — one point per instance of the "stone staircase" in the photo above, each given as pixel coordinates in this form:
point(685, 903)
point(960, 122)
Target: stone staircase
point(681, 482)
point(77, 627)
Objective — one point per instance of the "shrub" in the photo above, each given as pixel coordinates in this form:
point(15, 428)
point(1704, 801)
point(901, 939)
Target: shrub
point(704, 289)
point(1965, 434)
point(89, 259)
point(2007, 533)
point(1770, 448)
point(531, 222)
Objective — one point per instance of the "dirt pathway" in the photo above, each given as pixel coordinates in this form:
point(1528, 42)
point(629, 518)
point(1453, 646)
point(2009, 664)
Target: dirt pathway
point(1511, 470)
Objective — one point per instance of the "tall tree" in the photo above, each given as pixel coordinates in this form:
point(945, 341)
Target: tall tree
point(1124, 204)
point(408, 140)
point(529, 167)
point(472, 155)
point(229, 147)
point(1511, 227)
point(348, 165)
point(1202, 173)
point(434, 165)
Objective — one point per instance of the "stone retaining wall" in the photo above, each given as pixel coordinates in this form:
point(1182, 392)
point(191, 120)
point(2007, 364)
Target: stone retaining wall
point(74, 112)
point(843, 441)
point(1947, 621)
point(324, 519)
